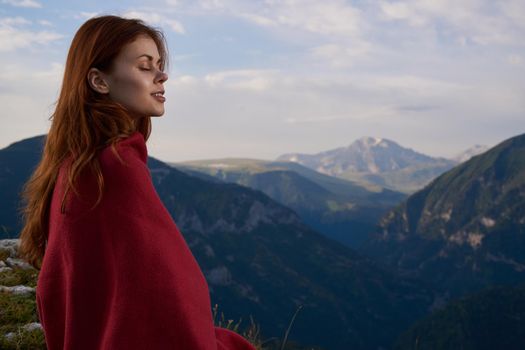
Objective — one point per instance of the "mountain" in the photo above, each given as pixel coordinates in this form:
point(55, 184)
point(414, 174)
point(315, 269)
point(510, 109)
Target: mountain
point(470, 152)
point(490, 319)
point(340, 209)
point(376, 160)
point(466, 229)
point(261, 260)
point(17, 162)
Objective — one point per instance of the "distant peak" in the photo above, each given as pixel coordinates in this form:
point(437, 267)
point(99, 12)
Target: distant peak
point(370, 141)
point(377, 140)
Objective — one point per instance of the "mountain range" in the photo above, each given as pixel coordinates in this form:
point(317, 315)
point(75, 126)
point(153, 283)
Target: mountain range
point(244, 220)
point(341, 193)
point(261, 260)
point(379, 161)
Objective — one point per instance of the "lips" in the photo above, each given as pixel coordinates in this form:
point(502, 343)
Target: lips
point(158, 95)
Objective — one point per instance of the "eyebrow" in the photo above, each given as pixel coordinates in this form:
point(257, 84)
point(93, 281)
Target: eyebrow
point(149, 57)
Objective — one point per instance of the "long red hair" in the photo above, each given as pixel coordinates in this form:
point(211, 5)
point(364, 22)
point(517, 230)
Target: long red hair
point(83, 122)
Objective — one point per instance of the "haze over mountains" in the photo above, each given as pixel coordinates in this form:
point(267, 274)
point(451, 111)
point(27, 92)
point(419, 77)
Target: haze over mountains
point(470, 152)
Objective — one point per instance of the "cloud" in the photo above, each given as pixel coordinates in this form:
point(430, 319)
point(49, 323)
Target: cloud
point(157, 19)
point(469, 21)
point(86, 15)
point(173, 3)
point(417, 108)
point(513, 10)
point(308, 70)
point(308, 24)
point(45, 23)
point(13, 37)
point(316, 119)
point(17, 78)
point(515, 59)
point(271, 97)
point(13, 21)
point(329, 17)
point(182, 80)
point(23, 3)
point(183, 57)
point(256, 80)
point(258, 19)
point(402, 11)
point(413, 84)
point(310, 99)
point(464, 23)
point(341, 55)
point(27, 96)
point(211, 4)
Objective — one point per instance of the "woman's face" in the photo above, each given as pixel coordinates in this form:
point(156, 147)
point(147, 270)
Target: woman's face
point(136, 80)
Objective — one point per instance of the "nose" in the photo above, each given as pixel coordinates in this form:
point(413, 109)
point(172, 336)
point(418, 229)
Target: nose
point(161, 77)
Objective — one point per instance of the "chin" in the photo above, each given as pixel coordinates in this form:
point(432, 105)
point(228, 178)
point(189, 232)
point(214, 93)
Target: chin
point(156, 113)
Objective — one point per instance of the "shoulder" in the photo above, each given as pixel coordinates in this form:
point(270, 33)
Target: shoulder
point(132, 146)
point(123, 170)
point(125, 164)
point(127, 181)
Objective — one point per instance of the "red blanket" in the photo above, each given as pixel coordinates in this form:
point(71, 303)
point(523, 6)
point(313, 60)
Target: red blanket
point(122, 276)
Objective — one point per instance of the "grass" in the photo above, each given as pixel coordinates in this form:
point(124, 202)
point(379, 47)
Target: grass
point(253, 333)
point(16, 311)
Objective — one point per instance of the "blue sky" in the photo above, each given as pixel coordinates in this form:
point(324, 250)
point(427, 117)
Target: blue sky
point(257, 79)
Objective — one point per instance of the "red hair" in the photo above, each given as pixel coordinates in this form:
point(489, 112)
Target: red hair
point(83, 123)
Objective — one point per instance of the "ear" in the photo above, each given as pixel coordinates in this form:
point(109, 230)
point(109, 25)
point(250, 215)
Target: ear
point(97, 81)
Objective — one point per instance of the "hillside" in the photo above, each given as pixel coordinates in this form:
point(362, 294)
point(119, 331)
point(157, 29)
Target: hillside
point(342, 210)
point(466, 229)
point(490, 319)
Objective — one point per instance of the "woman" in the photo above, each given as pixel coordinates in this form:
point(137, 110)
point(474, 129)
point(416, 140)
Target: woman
point(116, 273)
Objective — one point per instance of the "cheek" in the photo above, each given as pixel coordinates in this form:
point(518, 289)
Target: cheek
point(130, 89)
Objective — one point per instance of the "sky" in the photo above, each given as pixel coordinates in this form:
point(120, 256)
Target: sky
point(257, 79)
